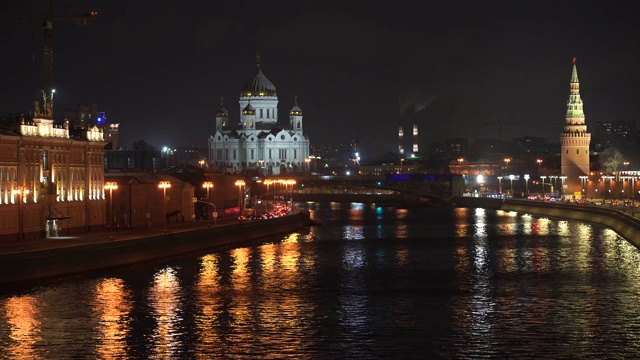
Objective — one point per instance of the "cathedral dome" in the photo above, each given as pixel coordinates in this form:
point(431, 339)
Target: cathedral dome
point(258, 85)
point(222, 112)
point(248, 110)
point(295, 110)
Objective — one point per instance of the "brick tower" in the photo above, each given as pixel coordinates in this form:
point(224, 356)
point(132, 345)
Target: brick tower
point(574, 141)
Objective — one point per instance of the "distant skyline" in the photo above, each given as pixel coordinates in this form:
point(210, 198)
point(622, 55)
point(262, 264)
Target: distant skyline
point(160, 68)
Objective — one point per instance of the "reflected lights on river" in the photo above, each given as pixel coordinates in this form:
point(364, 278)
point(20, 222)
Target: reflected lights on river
point(112, 305)
point(23, 327)
point(165, 300)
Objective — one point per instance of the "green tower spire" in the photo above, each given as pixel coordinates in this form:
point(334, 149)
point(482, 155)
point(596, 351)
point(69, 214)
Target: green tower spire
point(574, 73)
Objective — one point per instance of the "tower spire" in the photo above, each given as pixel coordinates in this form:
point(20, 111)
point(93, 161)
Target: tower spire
point(574, 141)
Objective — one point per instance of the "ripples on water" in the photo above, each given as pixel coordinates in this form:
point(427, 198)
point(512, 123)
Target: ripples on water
point(370, 282)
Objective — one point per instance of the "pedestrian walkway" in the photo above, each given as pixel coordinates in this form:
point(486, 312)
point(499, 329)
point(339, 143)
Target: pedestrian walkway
point(105, 236)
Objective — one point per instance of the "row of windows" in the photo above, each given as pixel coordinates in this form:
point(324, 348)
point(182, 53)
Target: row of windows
point(586, 152)
point(282, 154)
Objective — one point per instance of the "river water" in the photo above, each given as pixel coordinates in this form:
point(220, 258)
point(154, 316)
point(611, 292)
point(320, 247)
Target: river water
point(369, 283)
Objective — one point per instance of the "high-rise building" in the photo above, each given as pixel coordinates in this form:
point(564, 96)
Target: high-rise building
point(574, 141)
point(258, 142)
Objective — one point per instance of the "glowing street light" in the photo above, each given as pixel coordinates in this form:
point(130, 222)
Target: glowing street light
point(460, 160)
point(539, 161)
point(111, 185)
point(164, 185)
point(583, 181)
point(240, 184)
point(500, 185)
point(511, 177)
point(526, 184)
point(507, 160)
point(208, 185)
point(562, 179)
point(21, 191)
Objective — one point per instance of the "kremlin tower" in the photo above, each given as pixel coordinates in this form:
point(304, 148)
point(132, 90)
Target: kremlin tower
point(574, 141)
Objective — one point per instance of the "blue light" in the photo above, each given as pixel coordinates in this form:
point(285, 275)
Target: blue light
point(99, 120)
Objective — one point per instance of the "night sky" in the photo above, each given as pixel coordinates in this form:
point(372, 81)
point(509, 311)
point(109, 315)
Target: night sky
point(159, 67)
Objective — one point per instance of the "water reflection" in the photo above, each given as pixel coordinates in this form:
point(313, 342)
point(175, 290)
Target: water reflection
point(458, 283)
point(165, 302)
point(112, 306)
point(22, 327)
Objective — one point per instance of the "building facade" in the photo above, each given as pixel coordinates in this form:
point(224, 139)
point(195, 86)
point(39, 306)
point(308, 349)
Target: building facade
point(258, 142)
point(574, 141)
point(51, 179)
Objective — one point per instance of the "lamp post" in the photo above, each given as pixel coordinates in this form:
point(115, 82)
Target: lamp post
point(507, 160)
point(554, 185)
point(511, 177)
point(21, 191)
point(240, 184)
point(164, 185)
point(307, 161)
point(539, 161)
point(562, 179)
point(500, 185)
point(460, 160)
point(543, 178)
point(208, 185)
point(111, 185)
point(583, 181)
point(261, 162)
point(526, 185)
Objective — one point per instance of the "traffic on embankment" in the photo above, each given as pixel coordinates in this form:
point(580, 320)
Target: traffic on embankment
point(622, 222)
point(51, 258)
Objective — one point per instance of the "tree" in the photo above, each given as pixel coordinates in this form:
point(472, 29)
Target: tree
point(611, 158)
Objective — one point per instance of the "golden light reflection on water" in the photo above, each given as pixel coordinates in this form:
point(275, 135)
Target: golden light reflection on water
point(22, 315)
point(164, 299)
point(261, 296)
point(112, 305)
point(461, 222)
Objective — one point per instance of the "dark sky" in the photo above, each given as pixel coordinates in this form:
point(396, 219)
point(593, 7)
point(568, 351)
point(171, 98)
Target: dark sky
point(159, 67)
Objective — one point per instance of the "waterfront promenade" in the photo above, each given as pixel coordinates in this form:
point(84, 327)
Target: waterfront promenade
point(67, 241)
point(45, 258)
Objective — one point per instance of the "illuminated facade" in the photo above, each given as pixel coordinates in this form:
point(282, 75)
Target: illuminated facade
point(574, 140)
point(51, 181)
point(258, 142)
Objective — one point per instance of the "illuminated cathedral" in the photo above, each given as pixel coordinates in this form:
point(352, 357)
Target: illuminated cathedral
point(258, 143)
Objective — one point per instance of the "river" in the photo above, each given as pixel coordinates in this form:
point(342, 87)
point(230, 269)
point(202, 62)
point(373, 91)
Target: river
point(369, 283)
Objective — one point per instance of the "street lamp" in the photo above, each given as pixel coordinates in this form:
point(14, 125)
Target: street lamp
point(500, 185)
point(111, 185)
point(553, 178)
point(21, 191)
point(526, 184)
point(507, 160)
point(583, 181)
point(240, 184)
point(511, 177)
point(543, 178)
point(261, 162)
point(562, 179)
point(539, 161)
point(208, 185)
point(460, 160)
point(164, 185)
point(307, 161)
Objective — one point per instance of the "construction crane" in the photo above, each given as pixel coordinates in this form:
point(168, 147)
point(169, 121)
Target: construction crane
point(47, 19)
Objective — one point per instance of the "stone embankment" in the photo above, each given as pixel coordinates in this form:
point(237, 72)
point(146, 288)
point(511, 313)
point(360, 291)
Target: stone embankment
point(623, 223)
point(48, 258)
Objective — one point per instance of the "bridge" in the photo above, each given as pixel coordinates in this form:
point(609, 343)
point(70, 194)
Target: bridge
point(435, 187)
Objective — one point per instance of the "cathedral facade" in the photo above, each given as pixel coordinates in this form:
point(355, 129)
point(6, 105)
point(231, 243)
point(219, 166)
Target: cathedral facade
point(574, 141)
point(258, 142)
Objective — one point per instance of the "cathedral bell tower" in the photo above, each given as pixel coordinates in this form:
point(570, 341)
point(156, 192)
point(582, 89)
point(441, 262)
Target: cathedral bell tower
point(574, 141)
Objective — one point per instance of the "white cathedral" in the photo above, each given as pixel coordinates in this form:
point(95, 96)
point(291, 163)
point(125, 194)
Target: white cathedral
point(258, 143)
